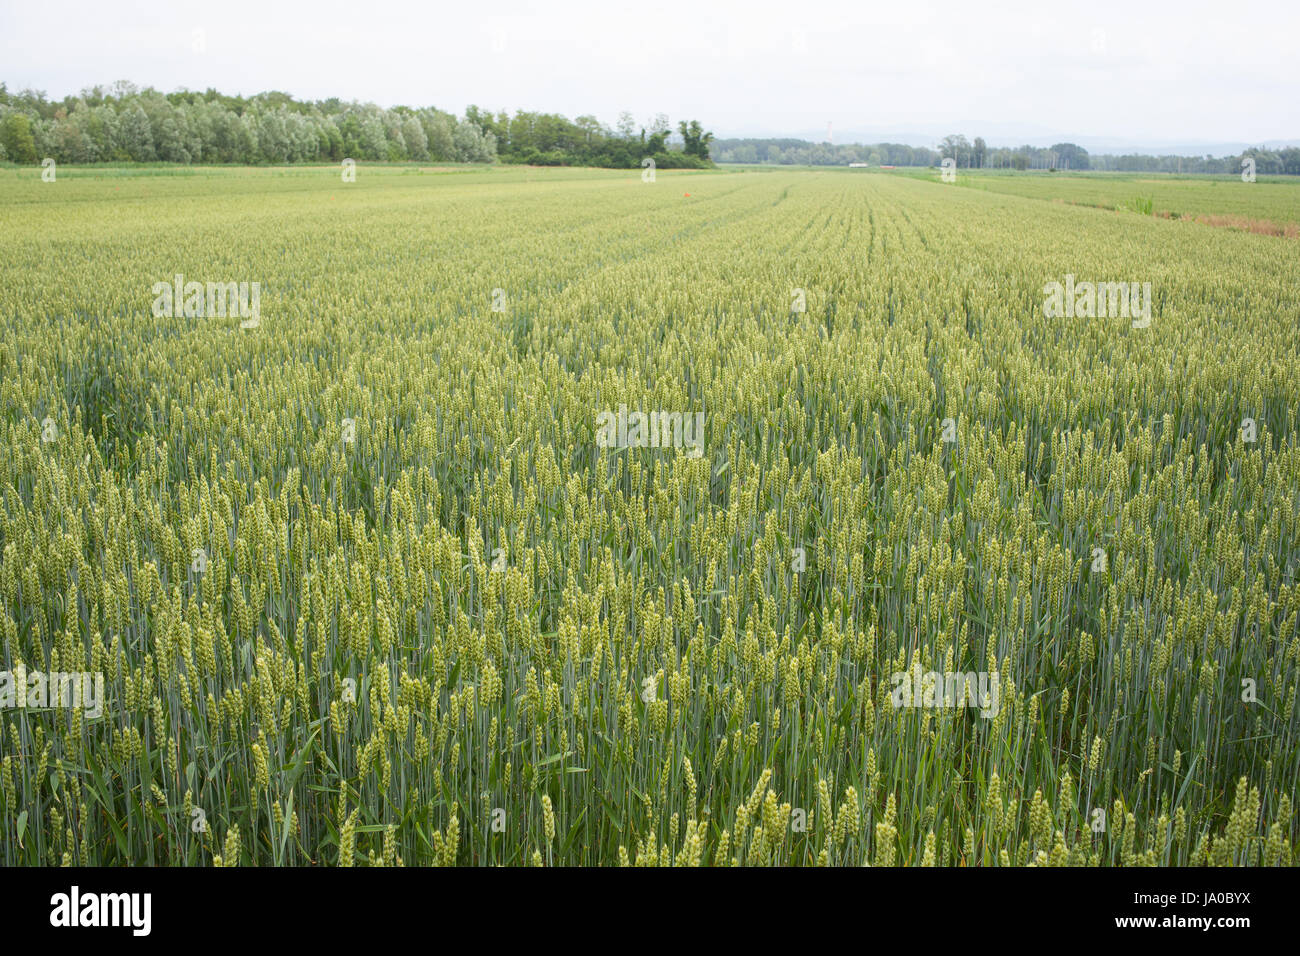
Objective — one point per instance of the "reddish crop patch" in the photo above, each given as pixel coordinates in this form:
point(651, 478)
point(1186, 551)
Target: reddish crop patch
point(1262, 227)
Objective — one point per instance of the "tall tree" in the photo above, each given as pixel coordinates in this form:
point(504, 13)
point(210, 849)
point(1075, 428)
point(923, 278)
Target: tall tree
point(137, 137)
point(626, 125)
point(16, 135)
point(695, 138)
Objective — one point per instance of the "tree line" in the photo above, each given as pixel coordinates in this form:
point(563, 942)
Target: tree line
point(1067, 156)
point(122, 123)
point(1285, 161)
point(801, 152)
point(549, 139)
point(977, 154)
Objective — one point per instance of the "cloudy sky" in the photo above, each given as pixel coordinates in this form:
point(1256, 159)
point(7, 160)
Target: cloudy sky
point(1135, 71)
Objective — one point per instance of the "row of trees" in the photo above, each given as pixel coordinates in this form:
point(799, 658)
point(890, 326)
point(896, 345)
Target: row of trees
point(1274, 162)
point(977, 154)
point(549, 139)
point(1070, 156)
point(121, 123)
point(801, 152)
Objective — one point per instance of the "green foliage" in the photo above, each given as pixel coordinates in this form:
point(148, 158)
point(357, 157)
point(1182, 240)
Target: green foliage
point(1142, 205)
point(16, 138)
point(696, 140)
point(549, 139)
point(123, 123)
point(798, 152)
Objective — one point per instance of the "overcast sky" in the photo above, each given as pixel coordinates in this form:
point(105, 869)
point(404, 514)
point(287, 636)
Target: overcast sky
point(1143, 71)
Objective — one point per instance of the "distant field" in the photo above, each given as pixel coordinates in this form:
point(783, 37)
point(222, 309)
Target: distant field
point(1270, 204)
point(371, 579)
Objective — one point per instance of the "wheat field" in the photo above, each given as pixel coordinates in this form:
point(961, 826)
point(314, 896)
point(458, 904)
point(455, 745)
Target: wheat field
point(371, 578)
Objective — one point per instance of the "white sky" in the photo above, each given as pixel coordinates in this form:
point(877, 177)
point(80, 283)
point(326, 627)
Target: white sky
point(1137, 70)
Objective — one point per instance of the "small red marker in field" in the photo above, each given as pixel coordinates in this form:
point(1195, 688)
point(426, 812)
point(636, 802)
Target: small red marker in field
point(687, 195)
